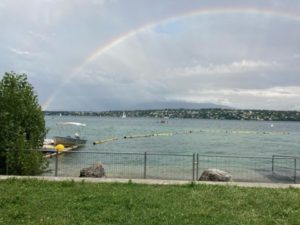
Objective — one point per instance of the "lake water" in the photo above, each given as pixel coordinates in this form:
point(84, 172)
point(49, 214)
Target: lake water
point(221, 137)
point(177, 140)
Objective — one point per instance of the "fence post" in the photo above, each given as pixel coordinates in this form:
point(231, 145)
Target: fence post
point(295, 170)
point(145, 165)
point(7, 163)
point(272, 164)
point(56, 163)
point(193, 166)
point(197, 167)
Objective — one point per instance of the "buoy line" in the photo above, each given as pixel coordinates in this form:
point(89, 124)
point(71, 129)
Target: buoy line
point(104, 141)
point(190, 132)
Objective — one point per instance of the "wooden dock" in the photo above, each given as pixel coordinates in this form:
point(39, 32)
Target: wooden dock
point(50, 150)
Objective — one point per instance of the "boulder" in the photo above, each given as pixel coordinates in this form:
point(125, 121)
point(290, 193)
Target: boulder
point(215, 175)
point(96, 170)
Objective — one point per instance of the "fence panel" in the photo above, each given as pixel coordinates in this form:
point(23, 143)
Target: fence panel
point(116, 165)
point(285, 166)
point(169, 166)
point(243, 168)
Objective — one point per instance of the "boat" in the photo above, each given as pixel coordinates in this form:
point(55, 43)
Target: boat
point(69, 141)
point(164, 120)
point(48, 141)
point(124, 115)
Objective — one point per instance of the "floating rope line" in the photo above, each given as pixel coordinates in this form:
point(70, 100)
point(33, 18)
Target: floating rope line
point(191, 132)
point(241, 132)
point(105, 141)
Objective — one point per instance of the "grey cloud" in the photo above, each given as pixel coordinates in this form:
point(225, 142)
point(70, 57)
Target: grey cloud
point(174, 60)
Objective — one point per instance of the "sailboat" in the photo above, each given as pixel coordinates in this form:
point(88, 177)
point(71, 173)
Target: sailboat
point(124, 115)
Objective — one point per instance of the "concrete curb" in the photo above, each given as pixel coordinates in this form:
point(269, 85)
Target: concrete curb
point(154, 181)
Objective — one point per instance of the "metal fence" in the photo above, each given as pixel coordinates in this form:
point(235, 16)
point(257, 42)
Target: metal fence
point(146, 165)
point(277, 168)
point(285, 166)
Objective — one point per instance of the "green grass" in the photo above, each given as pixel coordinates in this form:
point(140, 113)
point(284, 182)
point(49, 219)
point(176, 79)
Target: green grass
point(45, 202)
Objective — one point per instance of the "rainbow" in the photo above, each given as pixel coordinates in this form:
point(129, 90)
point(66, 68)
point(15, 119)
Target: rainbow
point(133, 32)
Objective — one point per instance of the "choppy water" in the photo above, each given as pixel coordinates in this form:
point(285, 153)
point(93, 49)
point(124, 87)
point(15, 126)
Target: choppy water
point(221, 137)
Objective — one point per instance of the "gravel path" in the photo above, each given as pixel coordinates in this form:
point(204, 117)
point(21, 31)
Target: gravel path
point(154, 182)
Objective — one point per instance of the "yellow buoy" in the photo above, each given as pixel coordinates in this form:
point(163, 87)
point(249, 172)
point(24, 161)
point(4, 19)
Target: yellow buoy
point(59, 147)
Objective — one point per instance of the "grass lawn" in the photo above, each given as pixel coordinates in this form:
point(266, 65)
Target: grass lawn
point(45, 202)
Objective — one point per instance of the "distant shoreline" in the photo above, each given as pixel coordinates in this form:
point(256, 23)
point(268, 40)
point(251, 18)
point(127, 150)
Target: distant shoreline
point(219, 114)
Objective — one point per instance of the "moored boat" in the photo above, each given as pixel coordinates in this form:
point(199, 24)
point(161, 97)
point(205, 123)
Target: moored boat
point(68, 141)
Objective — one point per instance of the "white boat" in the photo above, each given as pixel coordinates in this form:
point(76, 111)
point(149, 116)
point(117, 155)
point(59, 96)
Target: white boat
point(74, 140)
point(48, 141)
point(124, 115)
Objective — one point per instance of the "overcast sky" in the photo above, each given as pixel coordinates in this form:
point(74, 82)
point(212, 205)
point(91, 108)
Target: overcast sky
point(116, 54)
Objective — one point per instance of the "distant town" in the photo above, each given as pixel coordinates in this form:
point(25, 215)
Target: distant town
point(218, 114)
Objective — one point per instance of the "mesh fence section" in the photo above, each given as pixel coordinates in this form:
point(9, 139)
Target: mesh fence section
point(276, 168)
point(169, 166)
point(285, 167)
point(241, 168)
point(116, 165)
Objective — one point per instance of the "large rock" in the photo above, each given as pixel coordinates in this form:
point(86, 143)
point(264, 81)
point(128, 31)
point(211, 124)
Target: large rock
point(96, 170)
point(215, 175)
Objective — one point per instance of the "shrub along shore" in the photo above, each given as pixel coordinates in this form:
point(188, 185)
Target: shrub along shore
point(31, 201)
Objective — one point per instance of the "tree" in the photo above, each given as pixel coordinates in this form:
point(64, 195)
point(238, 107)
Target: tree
point(22, 126)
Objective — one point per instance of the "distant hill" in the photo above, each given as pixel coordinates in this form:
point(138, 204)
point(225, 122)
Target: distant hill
point(177, 105)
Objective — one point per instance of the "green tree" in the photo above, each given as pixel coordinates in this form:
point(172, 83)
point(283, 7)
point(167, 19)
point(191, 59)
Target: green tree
point(22, 126)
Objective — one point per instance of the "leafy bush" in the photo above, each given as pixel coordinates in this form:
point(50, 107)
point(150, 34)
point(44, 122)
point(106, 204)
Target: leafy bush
point(22, 126)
